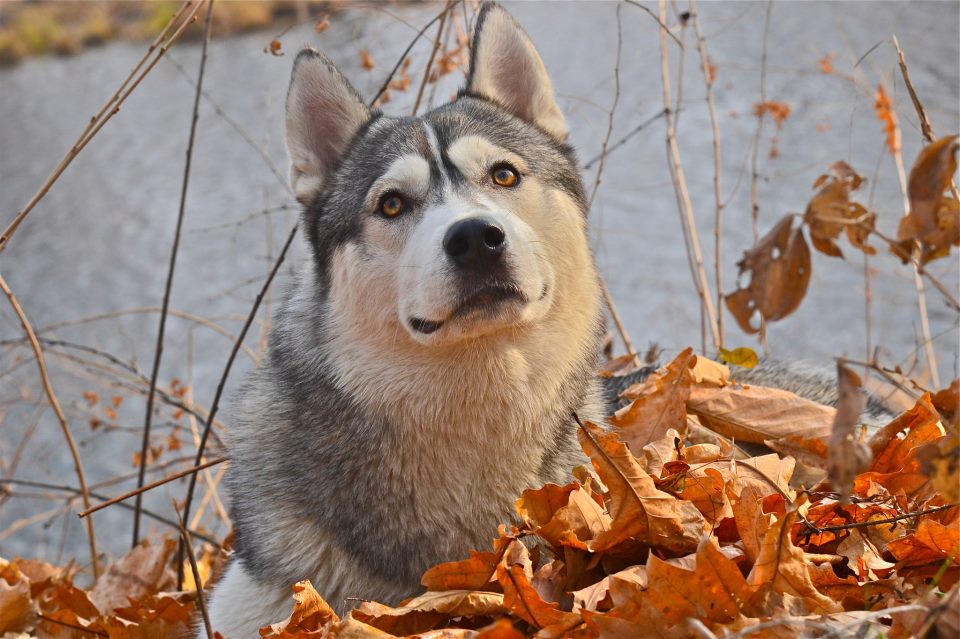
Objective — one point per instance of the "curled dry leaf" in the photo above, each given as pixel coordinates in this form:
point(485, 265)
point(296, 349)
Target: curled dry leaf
point(782, 566)
point(522, 599)
point(274, 48)
point(779, 268)
point(847, 455)
point(17, 610)
point(429, 610)
point(142, 571)
point(310, 614)
point(659, 404)
point(934, 219)
point(639, 510)
point(563, 515)
point(831, 212)
point(756, 413)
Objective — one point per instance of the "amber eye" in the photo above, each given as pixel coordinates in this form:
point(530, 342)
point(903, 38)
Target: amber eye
point(392, 205)
point(504, 175)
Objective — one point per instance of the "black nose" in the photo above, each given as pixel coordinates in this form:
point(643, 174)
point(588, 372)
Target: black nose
point(474, 243)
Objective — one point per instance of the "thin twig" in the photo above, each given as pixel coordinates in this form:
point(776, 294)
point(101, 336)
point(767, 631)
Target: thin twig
point(403, 56)
point(111, 108)
point(55, 404)
point(878, 522)
point(75, 491)
point(615, 316)
point(684, 204)
point(168, 287)
point(708, 78)
point(433, 55)
point(201, 603)
point(142, 489)
point(610, 115)
point(207, 427)
point(659, 20)
point(626, 138)
point(754, 174)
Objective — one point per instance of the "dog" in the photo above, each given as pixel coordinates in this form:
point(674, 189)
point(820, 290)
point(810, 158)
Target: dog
point(423, 370)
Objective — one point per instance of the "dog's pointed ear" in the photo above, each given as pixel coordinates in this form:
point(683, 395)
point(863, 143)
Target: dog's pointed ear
point(323, 113)
point(506, 68)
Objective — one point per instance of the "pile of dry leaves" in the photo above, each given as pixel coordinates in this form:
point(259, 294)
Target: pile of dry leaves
point(675, 532)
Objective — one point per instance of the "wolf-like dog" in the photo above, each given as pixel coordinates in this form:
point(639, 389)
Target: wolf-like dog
point(423, 369)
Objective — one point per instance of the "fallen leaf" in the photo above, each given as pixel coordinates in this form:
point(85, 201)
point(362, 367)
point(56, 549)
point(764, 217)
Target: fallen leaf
point(756, 413)
point(425, 612)
point(142, 571)
point(17, 610)
point(310, 613)
point(521, 598)
point(783, 566)
point(637, 508)
point(563, 515)
point(779, 267)
point(658, 404)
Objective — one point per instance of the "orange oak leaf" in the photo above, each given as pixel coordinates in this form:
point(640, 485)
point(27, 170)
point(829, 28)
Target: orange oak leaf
point(639, 510)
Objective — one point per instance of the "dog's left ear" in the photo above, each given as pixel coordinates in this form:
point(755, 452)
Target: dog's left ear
point(506, 68)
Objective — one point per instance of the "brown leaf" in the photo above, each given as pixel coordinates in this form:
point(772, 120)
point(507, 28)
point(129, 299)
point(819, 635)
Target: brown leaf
point(847, 455)
point(476, 573)
point(932, 543)
point(779, 111)
point(142, 571)
point(366, 60)
point(521, 598)
point(274, 48)
point(659, 404)
point(310, 614)
point(752, 522)
point(638, 509)
point(714, 591)
point(563, 515)
point(831, 212)
point(322, 24)
point(779, 267)
point(17, 610)
point(756, 413)
point(784, 567)
point(934, 220)
point(429, 610)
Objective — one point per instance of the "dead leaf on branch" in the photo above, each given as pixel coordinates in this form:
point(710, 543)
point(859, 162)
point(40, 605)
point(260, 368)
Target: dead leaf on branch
point(831, 212)
point(883, 108)
point(934, 219)
point(779, 268)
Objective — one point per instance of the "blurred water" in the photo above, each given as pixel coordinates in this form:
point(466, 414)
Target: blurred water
point(100, 240)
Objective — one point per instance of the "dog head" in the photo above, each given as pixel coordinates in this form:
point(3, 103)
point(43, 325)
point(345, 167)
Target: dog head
point(464, 222)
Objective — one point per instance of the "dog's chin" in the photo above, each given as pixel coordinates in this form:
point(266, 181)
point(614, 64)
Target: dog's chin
point(484, 313)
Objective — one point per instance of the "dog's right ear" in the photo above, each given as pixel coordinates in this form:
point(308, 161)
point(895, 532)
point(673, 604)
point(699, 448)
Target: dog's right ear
point(323, 113)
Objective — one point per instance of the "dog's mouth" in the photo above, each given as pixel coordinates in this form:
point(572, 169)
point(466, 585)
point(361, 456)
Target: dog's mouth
point(485, 300)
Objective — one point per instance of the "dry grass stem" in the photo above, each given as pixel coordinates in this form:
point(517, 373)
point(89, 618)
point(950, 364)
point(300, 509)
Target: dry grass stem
point(168, 287)
point(684, 204)
point(433, 55)
point(142, 489)
point(708, 78)
point(64, 426)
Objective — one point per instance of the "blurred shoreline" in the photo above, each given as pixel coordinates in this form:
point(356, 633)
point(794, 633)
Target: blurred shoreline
point(31, 28)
